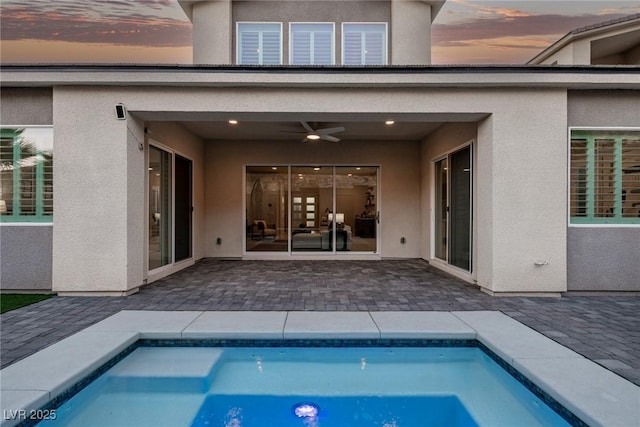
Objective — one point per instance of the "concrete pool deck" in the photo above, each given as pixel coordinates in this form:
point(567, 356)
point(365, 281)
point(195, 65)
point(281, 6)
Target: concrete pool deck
point(593, 393)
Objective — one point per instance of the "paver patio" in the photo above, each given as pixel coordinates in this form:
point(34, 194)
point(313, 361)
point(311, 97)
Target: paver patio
point(605, 329)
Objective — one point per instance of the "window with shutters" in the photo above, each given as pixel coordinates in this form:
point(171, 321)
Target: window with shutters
point(604, 176)
point(26, 174)
point(311, 43)
point(364, 43)
point(259, 43)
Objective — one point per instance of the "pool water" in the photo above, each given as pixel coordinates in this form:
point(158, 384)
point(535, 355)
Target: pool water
point(306, 386)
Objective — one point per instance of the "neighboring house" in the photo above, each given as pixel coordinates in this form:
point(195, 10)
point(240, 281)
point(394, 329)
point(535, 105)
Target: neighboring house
point(318, 130)
point(614, 42)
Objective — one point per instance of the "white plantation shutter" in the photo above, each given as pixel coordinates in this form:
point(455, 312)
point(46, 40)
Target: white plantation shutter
point(364, 44)
point(259, 43)
point(604, 177)
point(312, 44)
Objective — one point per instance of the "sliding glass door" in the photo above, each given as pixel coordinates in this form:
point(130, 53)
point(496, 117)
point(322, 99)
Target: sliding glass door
point(160, 208)
point(170, 208)
point(453, 209)
point(356, 203)
point(328, 209)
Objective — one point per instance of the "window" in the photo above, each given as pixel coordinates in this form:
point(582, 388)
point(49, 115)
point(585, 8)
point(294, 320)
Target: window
point(311, 44)
point(259, 43)
point(364, 43)
point(26, 174)
point(605, 177)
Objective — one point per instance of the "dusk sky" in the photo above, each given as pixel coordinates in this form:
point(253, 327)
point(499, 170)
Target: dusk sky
point(157, 31)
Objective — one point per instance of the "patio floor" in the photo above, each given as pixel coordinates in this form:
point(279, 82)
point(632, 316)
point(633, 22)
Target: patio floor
point(605, 329)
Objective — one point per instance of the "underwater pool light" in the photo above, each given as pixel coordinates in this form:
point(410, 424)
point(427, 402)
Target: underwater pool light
point(306, 410)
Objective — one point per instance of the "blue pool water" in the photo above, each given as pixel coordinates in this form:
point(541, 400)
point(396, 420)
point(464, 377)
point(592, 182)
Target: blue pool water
point(323, 387)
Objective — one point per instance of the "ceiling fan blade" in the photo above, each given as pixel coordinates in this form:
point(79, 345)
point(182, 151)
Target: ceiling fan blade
point(307, 127)
point(331, 130)
point(329, 138)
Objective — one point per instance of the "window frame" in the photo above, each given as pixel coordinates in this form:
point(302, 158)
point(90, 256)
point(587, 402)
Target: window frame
point(39, 218)
point(590, 221)
point(333, 41)
point(385, 47)
point(239, 23)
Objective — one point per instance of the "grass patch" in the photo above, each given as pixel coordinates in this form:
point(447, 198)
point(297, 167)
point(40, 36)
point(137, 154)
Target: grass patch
point(10, 302)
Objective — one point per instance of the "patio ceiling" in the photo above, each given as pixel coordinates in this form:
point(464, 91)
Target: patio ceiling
point(287, 127)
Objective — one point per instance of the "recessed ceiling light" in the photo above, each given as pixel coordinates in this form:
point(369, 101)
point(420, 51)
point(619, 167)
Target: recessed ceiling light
point(389, 122)
point(150, 169)
point(233, 122)
point(349, 174)
point(316, 169)
point(358, 169)
point(274, 168)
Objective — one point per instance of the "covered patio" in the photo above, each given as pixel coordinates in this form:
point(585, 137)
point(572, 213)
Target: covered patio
point(605, 329)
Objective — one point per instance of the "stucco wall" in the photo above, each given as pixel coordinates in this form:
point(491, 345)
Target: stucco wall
point(25, 251)
point(399, 186)
point(604, 258)
point(25, 257)
point(26, 106)
point(98, 194)
point(212, 30)
point(521, 170)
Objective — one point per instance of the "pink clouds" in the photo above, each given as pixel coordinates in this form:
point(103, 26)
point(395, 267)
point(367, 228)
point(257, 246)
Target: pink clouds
point(140, 23)
point(499, 40)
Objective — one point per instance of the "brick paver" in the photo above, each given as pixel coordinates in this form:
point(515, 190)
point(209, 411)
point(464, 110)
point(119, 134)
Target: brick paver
point(605, 329)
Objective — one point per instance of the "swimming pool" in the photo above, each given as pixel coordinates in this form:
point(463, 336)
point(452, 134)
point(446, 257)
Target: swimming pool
point(43, 381)
point(306, 386)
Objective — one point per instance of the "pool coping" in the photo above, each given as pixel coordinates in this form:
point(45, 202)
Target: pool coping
point(594, 394)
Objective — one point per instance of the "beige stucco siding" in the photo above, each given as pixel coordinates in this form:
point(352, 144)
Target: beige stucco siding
point(95, 218)
point(26, 106)
point(521, 170)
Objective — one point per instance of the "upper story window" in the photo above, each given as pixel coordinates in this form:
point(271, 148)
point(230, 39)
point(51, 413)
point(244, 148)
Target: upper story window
point(26, 174)
point(364, 43)
point(311, 43)
point(259, 43)
point(604, 177)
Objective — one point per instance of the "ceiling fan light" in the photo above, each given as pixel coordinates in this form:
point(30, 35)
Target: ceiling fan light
point(313, 136)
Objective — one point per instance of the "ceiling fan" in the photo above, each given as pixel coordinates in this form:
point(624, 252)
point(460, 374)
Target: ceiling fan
point(325, 134)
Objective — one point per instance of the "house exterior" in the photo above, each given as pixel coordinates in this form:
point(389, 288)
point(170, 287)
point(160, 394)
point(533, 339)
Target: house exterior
point(614, 42)
point(318, 130)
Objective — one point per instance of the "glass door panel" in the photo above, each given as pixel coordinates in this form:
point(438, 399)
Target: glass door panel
point(160, 208)
point(183, 210)
point(441, 205)
point(267, 202)
point(460, 209)
point(311, 202)
point(356, 219)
